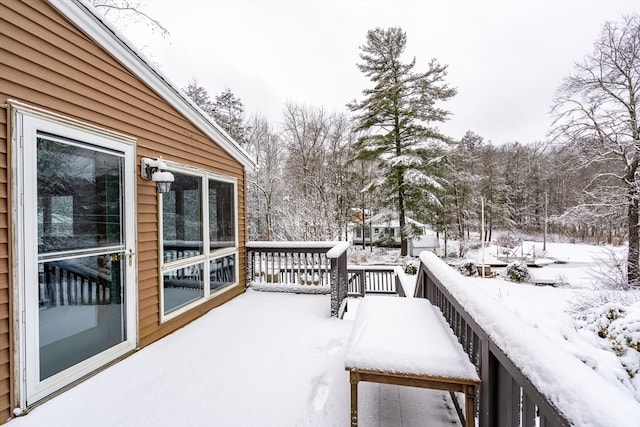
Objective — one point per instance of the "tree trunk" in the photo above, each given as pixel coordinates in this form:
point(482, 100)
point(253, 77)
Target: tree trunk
point(633, 269)
point(404, 247)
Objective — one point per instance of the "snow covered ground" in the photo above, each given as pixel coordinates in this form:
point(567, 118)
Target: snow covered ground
point(276, 359)
point(261, 360)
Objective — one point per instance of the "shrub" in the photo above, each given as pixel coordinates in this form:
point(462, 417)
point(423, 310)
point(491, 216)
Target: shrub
point(411, 266)
point(385, 242)
point(518, 271)
point(463, 248)
point(467, 267)
point(506, 240)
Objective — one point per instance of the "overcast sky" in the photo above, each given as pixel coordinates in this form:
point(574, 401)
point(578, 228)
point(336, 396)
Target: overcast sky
point(506, 58)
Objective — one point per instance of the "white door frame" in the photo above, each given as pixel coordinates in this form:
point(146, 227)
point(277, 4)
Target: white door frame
point(27, 122)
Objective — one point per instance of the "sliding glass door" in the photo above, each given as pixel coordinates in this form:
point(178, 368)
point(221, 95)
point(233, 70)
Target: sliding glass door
point(78, 253)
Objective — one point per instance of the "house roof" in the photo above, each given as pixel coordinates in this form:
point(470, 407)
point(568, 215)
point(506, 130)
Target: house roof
point(390, 220)
point(102, 32)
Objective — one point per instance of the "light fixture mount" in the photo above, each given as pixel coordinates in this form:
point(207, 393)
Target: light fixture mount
point(154, 170)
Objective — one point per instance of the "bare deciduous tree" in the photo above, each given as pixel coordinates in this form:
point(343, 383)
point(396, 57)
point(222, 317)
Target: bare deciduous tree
point(265, 183)
point(120, 12)
point(597, 107)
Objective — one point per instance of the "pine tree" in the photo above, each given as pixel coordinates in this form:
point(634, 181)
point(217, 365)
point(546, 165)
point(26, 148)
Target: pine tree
point(228, 112)
point(199, 96)
point(398, 113)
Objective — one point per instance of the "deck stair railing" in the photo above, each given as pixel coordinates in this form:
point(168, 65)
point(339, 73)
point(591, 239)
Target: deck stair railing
point(508, 396)
point(376, 279)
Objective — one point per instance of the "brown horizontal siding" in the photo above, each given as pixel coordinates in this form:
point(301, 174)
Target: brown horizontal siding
point(45, 61)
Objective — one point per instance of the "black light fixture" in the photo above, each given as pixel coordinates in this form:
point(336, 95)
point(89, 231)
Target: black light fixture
point(154, 170)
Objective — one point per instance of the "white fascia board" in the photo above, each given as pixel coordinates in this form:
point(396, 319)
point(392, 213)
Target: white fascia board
point(101, 31)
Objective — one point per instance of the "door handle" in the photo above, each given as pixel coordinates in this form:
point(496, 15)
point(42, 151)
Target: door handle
point(130, 257)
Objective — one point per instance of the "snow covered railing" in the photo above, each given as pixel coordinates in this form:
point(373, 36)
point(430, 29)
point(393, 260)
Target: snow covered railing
point(526, 379)
point(312, 267)
point(375, 279)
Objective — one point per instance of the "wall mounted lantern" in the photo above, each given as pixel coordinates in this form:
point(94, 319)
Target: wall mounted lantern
point(154, 170)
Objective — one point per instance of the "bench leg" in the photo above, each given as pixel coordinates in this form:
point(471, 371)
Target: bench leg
point(354, 404)
point(470, 407)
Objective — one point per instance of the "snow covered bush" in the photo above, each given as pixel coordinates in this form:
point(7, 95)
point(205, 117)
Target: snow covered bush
point(518, 271)
point(385, 242)
point(411, 266)
point(617, 324)
point(467, 267)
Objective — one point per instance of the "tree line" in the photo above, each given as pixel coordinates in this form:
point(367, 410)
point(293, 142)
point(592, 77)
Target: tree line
point(320, 171)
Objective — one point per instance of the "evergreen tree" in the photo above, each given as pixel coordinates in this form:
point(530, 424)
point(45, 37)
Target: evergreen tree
point(228, 112)
point(398, 111)
point(199, 96)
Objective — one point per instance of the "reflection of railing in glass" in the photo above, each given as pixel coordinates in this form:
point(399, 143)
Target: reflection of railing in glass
point(81, 310)
point(75, 282)
point(173, 250)
point(222, 272)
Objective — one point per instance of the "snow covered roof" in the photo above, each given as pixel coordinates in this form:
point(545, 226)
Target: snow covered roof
point(390, 220)
point(102, 32)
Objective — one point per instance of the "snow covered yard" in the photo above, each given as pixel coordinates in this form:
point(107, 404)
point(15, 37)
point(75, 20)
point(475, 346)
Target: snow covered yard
point(263, 359)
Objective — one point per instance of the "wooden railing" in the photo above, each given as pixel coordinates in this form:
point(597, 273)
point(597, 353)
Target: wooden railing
point(319, 267)
point(375, 279)
point(507, 396)
point(300, 267)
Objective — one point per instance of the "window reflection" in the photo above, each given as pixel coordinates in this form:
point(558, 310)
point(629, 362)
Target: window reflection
point(182, 218)
point(222, 272)
point(79, 197)
point(81, 310)
point(222, 227)
point(183, 286)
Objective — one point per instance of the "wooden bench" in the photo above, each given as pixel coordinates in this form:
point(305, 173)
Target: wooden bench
point(407, 342)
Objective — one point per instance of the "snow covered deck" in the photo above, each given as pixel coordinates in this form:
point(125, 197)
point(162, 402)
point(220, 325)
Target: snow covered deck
point(245, 363)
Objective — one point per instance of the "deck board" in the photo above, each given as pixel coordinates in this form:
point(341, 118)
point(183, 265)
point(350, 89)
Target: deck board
point(384, 405)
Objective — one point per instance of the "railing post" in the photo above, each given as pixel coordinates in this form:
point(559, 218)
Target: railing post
point(486, 377)
point(338, 257)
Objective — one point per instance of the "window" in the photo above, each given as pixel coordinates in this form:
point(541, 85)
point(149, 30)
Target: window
point(199, 239)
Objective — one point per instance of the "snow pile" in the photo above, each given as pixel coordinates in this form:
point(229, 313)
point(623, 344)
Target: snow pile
point(617, 328)
point(580, 393)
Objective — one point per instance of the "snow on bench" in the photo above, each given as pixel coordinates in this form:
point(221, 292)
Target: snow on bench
point(406, 341)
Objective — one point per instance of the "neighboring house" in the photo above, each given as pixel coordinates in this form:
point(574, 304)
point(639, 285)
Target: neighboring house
point(94, 261)
point(387, 227)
